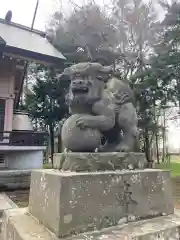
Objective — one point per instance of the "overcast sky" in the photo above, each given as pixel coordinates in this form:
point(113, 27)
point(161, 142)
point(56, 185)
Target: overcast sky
point(23, 11)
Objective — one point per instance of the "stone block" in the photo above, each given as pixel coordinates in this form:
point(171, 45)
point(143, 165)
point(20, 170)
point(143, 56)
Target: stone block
point(164, 227)
point(18, 224)
point(70, 202)
point(80, 162)
point(5, 203)
point(150, 195)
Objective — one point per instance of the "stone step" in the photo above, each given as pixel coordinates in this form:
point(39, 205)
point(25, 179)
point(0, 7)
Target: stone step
point(19, 224)
point(5, 203)
point(164, 228)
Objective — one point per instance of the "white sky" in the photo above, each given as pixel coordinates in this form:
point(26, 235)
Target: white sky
point(23, 11)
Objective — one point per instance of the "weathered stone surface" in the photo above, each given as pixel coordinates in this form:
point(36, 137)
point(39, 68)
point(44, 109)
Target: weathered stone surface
point(88, 138)
point(100, 105)
point(69, 202)
point(19, 225)
point(5, 203)
point(150, 195)
point(81, 162)
point(165, 228)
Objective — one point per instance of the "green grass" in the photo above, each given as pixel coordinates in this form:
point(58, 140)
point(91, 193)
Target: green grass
point(47, 166)
point(174, 167)
point(175, 158)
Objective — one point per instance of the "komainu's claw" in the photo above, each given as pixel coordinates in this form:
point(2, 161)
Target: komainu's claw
point(96, 150)
point(67, 150)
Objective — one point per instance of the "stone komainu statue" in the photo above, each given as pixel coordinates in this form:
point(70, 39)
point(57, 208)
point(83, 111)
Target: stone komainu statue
point(101, 107)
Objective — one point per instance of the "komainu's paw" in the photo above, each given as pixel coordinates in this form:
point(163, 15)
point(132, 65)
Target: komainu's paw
point(96, 150)
point(83, 122)
point(123, 148)
point(67, 150)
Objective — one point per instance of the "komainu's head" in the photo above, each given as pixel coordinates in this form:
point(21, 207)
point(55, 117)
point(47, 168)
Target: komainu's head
point(87, 82)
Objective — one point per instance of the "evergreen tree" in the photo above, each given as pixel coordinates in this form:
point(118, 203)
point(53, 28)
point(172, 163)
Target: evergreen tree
point(46, 101)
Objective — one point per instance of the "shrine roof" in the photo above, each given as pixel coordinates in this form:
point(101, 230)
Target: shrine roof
point(30, 44)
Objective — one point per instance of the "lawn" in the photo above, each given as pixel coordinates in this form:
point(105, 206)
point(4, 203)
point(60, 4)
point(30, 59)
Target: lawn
point(174, 167)
point(47, 166)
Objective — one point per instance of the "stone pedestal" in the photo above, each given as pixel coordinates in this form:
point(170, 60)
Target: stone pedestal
point(82, 162)
point(69, 202)
point(18, 224)
point(122, 204)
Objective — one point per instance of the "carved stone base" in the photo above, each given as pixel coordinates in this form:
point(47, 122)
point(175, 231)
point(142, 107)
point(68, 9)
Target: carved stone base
point(69, 203)
point(18, 224)
point(81, 162)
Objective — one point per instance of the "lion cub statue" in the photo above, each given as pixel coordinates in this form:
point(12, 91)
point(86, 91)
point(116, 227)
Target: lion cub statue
point(101, 107)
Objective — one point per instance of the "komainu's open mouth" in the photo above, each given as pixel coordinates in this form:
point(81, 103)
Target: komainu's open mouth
point(80, 90)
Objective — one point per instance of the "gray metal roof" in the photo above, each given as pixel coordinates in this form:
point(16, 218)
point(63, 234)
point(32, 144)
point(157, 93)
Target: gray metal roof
point(22, 38)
